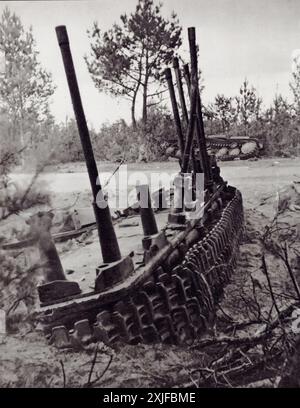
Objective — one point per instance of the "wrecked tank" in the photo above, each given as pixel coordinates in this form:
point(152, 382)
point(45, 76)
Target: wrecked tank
point(230, 148)
point(164, 291)
point(224, 148)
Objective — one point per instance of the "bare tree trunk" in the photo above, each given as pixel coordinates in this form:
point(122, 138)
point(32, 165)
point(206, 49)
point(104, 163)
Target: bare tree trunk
point(145, 91)
point(133, 120)
point(22, 141)
point(145, 97)
point(223, 126)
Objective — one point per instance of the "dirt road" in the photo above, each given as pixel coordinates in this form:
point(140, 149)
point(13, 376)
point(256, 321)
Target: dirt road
point(253, 178)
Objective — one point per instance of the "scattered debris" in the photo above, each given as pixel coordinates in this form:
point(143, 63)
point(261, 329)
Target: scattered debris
point(129, 223)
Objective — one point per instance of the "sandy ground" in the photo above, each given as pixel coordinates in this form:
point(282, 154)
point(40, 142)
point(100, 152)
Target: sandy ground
point(26, 358)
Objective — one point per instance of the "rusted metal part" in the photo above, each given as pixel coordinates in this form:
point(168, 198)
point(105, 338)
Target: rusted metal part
point(56, 284)
point(172, 304)
point(190, 132)
point(159, 201)
point(200, 126)
point(225, 242)
point(109, 274)
point(114, 268)
point(164, 256)
point(225, 149)
point(170, 296)
point(192, 120)
point(40, 226)
point(187, 77)
point(146, 210)
point(107, 237)
point(152, 244)
point(180, 90)
point(57, 289)
point(195, 162)
point(153, 240)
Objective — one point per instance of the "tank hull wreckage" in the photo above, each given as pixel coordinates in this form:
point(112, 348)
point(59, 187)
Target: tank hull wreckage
point(164, 290)
point(224, 148)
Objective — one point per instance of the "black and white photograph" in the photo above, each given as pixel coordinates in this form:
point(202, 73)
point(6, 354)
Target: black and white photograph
point(150, 197)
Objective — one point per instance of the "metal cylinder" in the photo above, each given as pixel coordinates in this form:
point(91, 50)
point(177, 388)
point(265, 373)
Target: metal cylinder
point(187, 76)
point(40, 231)
point(146, 210)
point(184, 110)
point(200, 125)
point(168, 76)
point(190, 131)
point(197, 163)
point(107, 237)
point(180, 90)
point(178, 206)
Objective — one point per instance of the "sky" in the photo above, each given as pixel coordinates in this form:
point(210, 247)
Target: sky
point(237, 39)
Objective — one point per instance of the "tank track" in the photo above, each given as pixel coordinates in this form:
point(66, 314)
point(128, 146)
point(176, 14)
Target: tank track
point(223, 148)
point(174, 304)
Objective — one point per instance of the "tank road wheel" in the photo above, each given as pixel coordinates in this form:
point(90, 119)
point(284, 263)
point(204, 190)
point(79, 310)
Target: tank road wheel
point(234, 152)
point(249, 148)
point(222, 152)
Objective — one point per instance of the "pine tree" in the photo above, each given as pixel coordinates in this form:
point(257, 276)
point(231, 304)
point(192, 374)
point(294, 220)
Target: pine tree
point(25, 87)
point(224, 111)
point(128, 59)
point(248, 105)
point(295, 83)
